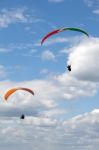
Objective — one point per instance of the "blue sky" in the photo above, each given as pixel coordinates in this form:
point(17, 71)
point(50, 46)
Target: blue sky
point(65, 104)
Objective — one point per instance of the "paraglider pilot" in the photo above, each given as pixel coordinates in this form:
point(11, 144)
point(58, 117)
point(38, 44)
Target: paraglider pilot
point(22, 116)
point(69, 67)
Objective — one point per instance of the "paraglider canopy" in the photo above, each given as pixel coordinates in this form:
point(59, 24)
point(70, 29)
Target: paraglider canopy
point(11, 91)
point(63, 29)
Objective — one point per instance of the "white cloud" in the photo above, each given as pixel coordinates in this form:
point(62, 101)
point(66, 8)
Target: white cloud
point(12, 16)
point(18, 132)
point(79, 132)
point(72, 87)
point(83, 131)
point(86, 118)
point(17, 15)
point(96, 11)
point(55, 112)
point(84, 60)
point(48, 55)
point(40, 121)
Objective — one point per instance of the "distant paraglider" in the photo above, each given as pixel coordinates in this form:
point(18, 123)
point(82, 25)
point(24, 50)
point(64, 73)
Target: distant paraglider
point(11, 91)
point(61, 30)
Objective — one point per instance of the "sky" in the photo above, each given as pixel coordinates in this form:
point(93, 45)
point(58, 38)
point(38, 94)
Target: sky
point(63, 113)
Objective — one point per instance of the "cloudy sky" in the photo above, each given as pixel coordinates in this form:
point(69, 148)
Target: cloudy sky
point(63, 114)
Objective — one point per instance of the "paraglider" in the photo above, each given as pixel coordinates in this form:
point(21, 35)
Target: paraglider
point(11, 91)
point(60, 30)
point(63, 29)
